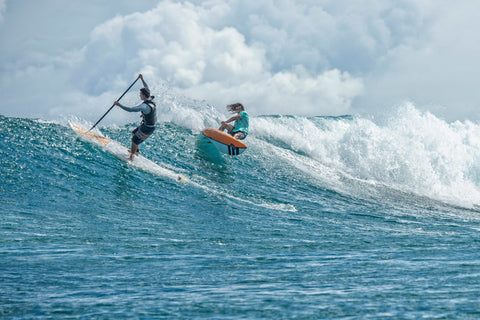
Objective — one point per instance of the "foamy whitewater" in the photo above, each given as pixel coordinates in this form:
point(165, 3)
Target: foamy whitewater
point(321, 218)
point(411, 151)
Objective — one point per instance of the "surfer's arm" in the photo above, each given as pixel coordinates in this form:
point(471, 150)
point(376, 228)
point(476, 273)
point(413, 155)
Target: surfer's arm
point(235, 117)
point(141, 107)
point(143, 81)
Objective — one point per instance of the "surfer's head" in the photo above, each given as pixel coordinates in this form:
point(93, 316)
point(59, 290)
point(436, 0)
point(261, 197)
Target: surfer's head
point(235, 107)
point(145, 92)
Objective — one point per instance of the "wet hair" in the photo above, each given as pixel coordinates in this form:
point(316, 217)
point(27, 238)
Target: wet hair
point(234, 106)
point(145, 91)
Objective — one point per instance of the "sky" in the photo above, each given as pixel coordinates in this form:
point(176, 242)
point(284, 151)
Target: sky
point(307, 58)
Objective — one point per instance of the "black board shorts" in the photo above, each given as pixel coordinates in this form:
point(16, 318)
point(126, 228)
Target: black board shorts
point(141, 133)
point(242, 135)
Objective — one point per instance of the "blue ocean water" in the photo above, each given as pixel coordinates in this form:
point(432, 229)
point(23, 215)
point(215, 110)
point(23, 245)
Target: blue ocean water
point(321, 218)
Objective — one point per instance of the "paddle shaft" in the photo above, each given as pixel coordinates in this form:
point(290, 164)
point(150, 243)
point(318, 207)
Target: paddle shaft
point(113, 105)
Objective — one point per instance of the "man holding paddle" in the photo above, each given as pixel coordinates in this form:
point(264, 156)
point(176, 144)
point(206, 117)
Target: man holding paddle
point(149, 115)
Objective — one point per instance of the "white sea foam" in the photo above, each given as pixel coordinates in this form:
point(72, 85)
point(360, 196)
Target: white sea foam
point(412, 151)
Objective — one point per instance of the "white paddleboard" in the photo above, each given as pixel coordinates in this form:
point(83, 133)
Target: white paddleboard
point(122, 153)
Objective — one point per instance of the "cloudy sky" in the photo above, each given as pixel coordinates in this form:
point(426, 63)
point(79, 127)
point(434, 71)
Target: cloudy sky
point(310, 57)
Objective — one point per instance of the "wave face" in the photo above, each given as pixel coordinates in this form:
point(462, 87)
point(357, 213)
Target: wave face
point(411, 152)
point(324, 217)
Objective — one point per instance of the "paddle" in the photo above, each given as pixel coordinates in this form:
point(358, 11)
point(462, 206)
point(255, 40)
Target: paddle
point(113, 105)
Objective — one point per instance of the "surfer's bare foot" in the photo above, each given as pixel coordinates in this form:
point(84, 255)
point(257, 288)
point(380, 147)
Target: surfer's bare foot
point(136, 153)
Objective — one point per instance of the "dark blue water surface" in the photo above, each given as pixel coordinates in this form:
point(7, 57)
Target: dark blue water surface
point(276, 233)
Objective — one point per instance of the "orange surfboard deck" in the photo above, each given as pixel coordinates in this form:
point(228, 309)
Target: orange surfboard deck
point(224, 142)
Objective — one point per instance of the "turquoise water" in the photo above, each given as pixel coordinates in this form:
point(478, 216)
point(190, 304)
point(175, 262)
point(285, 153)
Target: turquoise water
point(321, 218)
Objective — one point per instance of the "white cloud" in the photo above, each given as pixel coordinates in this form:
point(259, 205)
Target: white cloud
point(296, 57)
point(288, 93)
point(216, 64)
point(437, 69)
